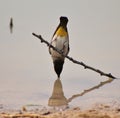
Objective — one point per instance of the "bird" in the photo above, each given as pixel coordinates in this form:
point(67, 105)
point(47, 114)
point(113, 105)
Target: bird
point(11, 25)
point(60, 40)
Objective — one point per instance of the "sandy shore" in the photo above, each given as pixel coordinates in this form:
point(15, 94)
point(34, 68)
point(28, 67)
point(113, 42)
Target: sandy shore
point(97, 111)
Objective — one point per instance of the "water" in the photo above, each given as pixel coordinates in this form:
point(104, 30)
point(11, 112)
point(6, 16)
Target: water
point(26, 71)
point(17, 97)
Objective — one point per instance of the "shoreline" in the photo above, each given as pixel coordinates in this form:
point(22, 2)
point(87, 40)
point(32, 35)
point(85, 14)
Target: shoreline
point(96, 111)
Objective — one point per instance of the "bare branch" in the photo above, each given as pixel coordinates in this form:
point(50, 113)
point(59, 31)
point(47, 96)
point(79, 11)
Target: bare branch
point(75, 61)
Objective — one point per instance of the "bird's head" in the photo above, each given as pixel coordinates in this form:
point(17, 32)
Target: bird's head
point(63, 20)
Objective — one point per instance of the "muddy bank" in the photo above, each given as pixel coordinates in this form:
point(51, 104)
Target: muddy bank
point(96, 111)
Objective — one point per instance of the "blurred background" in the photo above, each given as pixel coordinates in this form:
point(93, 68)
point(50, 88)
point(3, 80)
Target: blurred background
point(26, 70)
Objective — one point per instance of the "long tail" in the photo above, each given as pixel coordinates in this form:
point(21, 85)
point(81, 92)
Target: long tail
point(58, 66)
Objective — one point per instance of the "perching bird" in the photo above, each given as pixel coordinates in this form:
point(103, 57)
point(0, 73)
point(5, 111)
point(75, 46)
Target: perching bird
point(60, 40)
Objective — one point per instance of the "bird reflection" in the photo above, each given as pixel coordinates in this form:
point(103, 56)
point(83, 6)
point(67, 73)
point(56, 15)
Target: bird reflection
point(11, 25)
point(58, 99)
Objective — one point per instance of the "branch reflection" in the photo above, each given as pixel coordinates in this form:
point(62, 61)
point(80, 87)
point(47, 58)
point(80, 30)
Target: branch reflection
point(90, 89)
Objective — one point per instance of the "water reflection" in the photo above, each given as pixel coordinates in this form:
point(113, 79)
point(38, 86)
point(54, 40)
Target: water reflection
point(58, 99)
point(109, 80)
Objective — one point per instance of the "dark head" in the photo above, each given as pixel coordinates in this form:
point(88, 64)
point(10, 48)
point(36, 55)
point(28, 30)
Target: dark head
point(63, 20)
point(58, 66)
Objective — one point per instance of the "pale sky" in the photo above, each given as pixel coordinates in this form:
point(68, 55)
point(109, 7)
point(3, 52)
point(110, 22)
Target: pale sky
point(94, 32)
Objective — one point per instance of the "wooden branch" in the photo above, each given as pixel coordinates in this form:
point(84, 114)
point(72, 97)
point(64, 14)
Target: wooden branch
point(73, 60)
point(90, 89)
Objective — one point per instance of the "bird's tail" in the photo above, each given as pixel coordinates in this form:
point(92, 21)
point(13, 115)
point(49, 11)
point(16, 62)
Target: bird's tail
point(58, 66)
